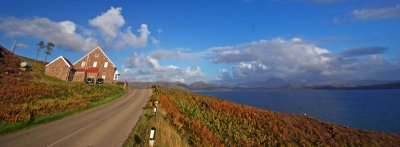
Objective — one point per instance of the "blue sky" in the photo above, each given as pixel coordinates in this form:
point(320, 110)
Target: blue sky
point(219, 41)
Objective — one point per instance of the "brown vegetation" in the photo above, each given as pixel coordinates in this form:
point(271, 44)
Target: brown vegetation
point(25, 95)
point(209, 121)
point(166, 135)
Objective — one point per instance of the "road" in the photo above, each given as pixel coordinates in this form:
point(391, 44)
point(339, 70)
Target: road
point(108, 125)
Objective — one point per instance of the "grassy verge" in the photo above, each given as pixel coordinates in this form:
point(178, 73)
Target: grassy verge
point(166, 135)
point(7, 127)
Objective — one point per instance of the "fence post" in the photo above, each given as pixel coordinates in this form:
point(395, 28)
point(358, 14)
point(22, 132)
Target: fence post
point(152, 135)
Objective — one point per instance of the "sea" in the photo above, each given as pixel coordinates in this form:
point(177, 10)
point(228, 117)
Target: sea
point(374, 110)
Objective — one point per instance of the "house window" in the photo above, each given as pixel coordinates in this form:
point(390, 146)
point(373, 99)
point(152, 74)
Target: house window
point(103, 75)
point(96, 55)
point(105, 64)
point(94, 64)
point(83, 64)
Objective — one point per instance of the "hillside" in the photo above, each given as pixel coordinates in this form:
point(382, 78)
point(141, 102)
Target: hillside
point(202, 86)
point(177, 85)
point(29, 97)
point(209, 121)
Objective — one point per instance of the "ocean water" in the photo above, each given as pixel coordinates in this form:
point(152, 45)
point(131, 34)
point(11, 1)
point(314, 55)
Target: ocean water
point(377, 110)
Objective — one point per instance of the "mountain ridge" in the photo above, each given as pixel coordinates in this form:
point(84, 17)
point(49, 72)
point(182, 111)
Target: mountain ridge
point(203, 86)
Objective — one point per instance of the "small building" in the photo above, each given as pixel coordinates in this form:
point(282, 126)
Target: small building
point(96, 64)
point(60, 68)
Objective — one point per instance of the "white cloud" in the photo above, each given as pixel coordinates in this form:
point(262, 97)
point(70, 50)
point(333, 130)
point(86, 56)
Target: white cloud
point(378, 13)
point(295, 60)
point(67, 34)
point(145, 68)
point(62, 33)
point(179, 54)
point(154, 41)
point(109, 22)
point(131, 40)
point(21, 45)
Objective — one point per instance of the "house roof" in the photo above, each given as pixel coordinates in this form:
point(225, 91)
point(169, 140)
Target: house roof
point(65, 60)
point(94, 50)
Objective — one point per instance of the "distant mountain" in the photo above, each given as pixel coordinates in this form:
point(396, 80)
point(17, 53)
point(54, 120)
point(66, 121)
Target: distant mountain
point(393, 85)
point(178, 85)
point(271, 84)
point(200, 85)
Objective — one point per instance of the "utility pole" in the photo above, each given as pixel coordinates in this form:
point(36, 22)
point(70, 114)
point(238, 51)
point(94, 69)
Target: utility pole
point(13, 47)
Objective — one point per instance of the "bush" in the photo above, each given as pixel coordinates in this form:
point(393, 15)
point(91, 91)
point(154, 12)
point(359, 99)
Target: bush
point(138, 139)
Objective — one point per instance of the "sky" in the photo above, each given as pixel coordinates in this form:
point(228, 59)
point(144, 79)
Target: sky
point(216, 41)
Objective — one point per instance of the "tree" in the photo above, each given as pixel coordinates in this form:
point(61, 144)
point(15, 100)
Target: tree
point(49, 49)
point(40, 45)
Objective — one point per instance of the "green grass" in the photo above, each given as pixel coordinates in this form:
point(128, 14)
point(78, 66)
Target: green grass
point(138, 135)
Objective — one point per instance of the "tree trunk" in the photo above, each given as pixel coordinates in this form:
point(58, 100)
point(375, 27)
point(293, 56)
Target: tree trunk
point(37, 54)
point(45, 59)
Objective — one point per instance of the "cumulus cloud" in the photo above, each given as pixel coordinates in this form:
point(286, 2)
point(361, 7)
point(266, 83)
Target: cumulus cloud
point(178, 54)
point(62, 33)
point(377, 13)
point(110, 23)
point(145, 68)
point(155, 41)
point(131, 40)
point(295, 60)
point(67, 34)
point(363, 51)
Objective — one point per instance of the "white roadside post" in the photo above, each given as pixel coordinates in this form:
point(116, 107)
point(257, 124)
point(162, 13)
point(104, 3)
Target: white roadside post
point(154, 111)
point(152, 135)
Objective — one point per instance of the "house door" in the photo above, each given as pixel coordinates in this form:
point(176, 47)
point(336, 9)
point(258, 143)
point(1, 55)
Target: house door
point(103, 75)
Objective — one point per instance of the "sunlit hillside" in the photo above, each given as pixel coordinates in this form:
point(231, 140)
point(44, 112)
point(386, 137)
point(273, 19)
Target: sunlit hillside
point(30, 97)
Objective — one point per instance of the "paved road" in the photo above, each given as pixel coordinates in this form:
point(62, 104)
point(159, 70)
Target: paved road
point(107, 125)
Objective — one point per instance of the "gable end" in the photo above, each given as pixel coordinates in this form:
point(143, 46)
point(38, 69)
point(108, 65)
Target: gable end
point(101, 52)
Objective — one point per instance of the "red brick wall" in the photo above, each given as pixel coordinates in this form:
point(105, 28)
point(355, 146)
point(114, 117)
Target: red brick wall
point(101, 59)
point(79, 76)
point(58, 69)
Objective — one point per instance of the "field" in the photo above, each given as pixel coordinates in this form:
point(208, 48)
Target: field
point(209, 121)
point(29, 98)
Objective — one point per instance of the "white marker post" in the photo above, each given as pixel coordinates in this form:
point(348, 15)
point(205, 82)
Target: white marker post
point(154, 111)
point(152, 135)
